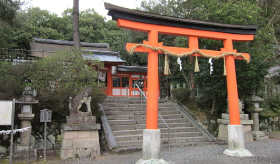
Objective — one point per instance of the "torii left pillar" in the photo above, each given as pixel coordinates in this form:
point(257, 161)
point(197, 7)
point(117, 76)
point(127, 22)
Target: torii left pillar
point(151, 135)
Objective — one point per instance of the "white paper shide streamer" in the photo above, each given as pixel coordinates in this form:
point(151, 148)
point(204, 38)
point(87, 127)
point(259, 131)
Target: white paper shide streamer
point(180, 63)
point(15, 130)
point(211, 66)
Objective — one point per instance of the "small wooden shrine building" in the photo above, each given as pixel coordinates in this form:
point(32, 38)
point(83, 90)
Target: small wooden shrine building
point(117, 77)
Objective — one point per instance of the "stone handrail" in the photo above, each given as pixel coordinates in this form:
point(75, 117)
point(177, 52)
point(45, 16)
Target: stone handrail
point(209, 136)
point(112, 143)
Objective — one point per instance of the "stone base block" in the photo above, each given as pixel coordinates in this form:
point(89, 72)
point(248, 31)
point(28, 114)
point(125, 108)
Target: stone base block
point(259, 135)
point(151, 161)
point(223, 132)
point(78, 153)
point(76, 144)
point(21, 153)
point(151, 144)
point(65, 154)
point(81, 127)
point(242, 116)
point(80, 119)
point(261, 138)
point(236, 143)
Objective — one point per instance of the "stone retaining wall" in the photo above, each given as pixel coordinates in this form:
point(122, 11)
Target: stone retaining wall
point(80, 144)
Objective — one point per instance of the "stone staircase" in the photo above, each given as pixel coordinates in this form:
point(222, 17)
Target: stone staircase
point(127, 119)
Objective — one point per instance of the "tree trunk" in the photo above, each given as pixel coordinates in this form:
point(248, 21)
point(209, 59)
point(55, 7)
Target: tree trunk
point(186, 78)
point(76, 30)
point(213, 105)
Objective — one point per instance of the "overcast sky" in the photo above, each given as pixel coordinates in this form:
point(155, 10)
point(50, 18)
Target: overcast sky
point(58, 6)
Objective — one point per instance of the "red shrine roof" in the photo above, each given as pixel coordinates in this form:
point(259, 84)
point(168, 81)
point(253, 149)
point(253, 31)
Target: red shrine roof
point(144, 17)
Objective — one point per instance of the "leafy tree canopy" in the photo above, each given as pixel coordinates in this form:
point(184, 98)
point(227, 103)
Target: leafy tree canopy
point(8, 9)
point(249, 76)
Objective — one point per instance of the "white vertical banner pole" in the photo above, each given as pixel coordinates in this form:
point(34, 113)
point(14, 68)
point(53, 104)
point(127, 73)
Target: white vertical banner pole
point(12, 131)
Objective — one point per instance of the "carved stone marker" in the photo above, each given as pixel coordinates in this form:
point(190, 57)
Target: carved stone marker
point(80, 136)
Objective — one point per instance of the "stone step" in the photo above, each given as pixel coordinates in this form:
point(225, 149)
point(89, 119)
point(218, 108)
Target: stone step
point(179, 129)
point(140, 112)
point(134, 105)
point(163, 130)
point(136, 109)
point(137, 148)
point(163, 135)
point(128, 119)
point(129, 100)
point(181, 134)
point(186, 144)
point(124, 101)
point(180, 140)
point(143, 121)
point(140, 117)
point(143, 126)
point(184, 139)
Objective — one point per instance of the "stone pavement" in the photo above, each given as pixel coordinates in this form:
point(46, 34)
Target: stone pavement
point(265, 152)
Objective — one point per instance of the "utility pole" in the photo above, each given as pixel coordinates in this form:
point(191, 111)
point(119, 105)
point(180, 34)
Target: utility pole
point(75, 21)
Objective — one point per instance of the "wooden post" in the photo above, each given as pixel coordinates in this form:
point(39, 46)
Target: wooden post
point(109, 81)
point(152, 97)
point(76, 30)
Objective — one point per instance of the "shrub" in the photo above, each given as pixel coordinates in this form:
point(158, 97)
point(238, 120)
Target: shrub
point(181, 94)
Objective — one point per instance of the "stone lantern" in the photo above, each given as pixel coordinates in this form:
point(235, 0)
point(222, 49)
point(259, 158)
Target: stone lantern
point(257, 134)
point(141, 85)
point(26, 101)
point(140, 82)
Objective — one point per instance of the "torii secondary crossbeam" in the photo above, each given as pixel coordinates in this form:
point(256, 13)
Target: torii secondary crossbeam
point(156, 24)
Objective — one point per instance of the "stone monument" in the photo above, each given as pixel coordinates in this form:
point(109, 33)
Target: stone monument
point(80, 136)
point(244, 118)
point(257, 134)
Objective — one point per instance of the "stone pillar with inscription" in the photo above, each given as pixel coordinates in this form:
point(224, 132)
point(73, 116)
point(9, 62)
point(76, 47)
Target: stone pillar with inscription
point(80, 136)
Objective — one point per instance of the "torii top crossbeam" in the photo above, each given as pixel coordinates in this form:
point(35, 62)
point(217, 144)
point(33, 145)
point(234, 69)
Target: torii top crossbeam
point(155, 24)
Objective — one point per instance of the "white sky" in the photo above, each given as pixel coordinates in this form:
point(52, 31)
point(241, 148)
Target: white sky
point(58, 6)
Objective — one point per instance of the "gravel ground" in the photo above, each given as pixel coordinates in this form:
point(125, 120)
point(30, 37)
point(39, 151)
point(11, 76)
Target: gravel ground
point(265, 152)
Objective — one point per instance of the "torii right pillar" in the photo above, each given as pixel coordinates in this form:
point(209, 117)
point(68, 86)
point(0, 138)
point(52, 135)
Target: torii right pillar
point(236, 142)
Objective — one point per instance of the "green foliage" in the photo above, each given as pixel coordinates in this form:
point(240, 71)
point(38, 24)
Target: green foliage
point(8, 9)
point(62, 73)
point(11, 80)
point(181, 94)
point(58, 77)
point(271, 107)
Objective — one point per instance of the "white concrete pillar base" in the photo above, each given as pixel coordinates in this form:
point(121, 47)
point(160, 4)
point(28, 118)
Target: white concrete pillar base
point(151, 161)
point(151, 144)
point(238, 153)
point(236, 143)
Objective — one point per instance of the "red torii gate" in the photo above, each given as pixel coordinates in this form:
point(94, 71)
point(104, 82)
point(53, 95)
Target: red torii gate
point(155, 24)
